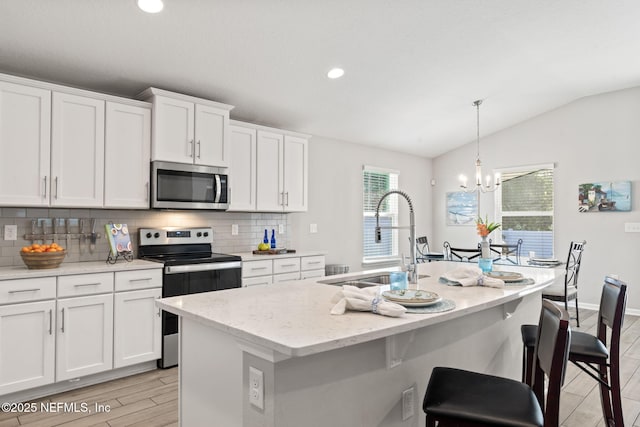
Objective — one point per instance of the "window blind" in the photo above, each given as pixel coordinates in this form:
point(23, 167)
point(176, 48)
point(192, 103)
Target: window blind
point(525, 208)
point(376, 182)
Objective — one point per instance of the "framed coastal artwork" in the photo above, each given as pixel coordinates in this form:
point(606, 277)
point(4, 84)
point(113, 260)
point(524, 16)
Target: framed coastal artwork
point(604, 197)
point(462, 208)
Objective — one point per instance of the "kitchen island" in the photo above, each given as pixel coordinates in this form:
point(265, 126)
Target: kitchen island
point(320, 369)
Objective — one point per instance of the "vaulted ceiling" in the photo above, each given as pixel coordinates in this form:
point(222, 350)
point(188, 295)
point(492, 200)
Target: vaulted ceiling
point(412, 67)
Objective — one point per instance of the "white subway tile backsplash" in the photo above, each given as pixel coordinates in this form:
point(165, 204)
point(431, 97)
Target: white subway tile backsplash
point(251, 228)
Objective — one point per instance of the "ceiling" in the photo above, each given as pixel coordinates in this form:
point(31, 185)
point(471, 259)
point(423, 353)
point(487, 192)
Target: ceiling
point(412, 67)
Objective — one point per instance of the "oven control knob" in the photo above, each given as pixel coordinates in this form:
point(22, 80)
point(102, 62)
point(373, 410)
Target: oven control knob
point(206, 233)
point(148, 235)
point(198, 234)
point(156, 235)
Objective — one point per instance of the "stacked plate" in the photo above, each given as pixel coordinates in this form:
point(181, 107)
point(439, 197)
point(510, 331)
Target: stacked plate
point(411, 298)
point(544, 261)
point(506, 276)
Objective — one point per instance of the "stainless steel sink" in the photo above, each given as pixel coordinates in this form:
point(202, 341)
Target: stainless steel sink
point(364, 280)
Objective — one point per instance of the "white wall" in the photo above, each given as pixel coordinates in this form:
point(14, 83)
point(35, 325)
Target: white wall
point(592, 139)
point(335, 198)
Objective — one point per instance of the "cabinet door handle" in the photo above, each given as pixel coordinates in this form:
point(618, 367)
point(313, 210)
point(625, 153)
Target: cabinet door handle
point(287, 203)
point(44, 195)
point(50, 321)
point(198, 144)
point(24, 290)
point(190, 148)
point(62, 325)
point(56, 187)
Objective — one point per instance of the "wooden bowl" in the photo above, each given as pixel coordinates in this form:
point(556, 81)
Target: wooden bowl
point(40, 260)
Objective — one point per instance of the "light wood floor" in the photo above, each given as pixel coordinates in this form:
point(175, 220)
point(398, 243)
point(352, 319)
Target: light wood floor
point(151, 399)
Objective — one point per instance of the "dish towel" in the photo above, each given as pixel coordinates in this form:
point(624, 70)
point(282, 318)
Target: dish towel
point(469, 275)
point(365, 299)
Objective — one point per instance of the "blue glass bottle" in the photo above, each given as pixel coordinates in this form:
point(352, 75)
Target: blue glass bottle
point(266, 237)
point(273, 238)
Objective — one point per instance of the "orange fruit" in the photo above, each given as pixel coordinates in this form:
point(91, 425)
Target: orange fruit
point(25, 249)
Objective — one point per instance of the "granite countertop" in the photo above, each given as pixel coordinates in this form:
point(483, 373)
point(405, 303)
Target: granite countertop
point(66, 269)
point(293, 318)
point(249, 256)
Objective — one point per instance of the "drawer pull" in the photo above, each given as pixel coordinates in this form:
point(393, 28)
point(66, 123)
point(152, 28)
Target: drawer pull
point(258, 268)
point(144, 279)
point(289, 265)
point(87, 284)
point(24, 290)
point(314, 262)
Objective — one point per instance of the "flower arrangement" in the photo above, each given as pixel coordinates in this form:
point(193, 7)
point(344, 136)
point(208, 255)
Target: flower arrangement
point(485, 227)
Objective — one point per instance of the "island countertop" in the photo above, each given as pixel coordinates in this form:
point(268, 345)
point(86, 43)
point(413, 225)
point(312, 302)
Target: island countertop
point(293, 318)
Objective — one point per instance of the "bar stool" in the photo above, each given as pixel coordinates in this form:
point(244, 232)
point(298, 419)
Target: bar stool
point(458, 397)
point(590, 353)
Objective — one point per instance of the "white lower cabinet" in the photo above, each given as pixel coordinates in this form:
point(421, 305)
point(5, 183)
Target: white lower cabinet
point(27, 345)
point(98, 322)
point(278, 270)
point(84, 338)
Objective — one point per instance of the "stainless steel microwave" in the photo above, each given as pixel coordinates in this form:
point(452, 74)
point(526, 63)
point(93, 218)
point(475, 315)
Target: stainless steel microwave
point(184, 186)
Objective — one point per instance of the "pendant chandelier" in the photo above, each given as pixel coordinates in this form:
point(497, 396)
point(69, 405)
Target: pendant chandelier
point(479, 187)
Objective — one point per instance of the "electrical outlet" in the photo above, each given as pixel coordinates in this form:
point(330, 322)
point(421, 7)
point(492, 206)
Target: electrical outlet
point(256, 387)
point(280, 228)
point(632, 227)
point(234, 229)
point(407, 404)
point(313, 228)
point(10, 232)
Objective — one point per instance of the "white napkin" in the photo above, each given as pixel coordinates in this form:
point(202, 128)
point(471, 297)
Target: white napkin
point(470, 275)
point(365, 299)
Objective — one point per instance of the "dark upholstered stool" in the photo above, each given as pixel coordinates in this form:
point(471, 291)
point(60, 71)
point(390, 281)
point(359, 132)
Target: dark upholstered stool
point(458, 397)
point(589, 353)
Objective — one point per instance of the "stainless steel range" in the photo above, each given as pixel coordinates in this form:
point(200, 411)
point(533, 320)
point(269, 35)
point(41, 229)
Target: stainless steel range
point(190, 267)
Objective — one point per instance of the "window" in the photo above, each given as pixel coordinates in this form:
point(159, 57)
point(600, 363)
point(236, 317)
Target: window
point(524, 207)
point(375, 183)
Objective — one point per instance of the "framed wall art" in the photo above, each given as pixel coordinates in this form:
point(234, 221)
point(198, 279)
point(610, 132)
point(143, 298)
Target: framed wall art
point(604, 197)
point(462, 208)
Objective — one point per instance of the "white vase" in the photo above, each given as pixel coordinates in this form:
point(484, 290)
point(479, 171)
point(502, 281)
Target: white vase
point(485, 251)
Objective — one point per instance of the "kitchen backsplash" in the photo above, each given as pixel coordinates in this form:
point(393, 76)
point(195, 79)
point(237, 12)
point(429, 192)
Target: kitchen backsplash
point(250, 229)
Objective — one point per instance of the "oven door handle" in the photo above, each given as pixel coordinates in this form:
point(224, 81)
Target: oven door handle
point(192, 268)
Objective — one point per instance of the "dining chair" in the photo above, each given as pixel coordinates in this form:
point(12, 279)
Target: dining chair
point(460, 254)
point(569, 289)
point(590, 353)
point(459, 397)
point(507, 251)
point(423, 254)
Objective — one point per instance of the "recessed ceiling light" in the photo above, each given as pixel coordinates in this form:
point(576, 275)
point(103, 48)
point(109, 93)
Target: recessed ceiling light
point(335, 73)
point(150, 6)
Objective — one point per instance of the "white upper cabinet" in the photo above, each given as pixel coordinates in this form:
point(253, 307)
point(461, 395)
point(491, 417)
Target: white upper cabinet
point(242, 169)
point(270, 196)
point(295, 173)
point(25, 141)
point(188, 129)
point(77, 151)
point(269, 169)
point(127, 156)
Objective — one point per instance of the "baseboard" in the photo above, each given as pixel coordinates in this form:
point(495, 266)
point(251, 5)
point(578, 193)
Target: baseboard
point(62, 386)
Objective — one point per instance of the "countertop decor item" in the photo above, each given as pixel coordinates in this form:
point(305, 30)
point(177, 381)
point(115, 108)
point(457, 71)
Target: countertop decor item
point(42, 260)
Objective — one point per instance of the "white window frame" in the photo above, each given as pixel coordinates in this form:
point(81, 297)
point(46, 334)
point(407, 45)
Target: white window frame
point(393, 199)
point(498, 199)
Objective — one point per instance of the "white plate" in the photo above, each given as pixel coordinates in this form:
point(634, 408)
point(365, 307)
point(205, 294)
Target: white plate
point(543, 260)
point(412, 298)
point(506, 276)
point(417, 304)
